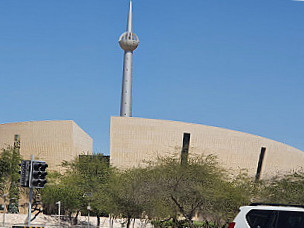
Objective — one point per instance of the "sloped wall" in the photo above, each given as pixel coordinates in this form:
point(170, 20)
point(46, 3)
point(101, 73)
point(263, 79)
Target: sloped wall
point(136, 140)
point(50, 141)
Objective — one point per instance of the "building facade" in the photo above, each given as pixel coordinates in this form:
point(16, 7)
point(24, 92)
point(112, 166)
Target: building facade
point(50, 141)
point(135, 141)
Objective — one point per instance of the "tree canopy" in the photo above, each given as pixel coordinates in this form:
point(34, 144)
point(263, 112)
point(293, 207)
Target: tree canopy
point(287, 189)
point(164, 191)
point(9, 167)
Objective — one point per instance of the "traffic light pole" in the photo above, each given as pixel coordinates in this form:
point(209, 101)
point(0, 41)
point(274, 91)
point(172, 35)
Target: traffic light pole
point(30, 207)
point(29, 215)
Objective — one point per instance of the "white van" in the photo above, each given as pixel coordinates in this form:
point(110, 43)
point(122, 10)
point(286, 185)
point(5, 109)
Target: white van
point(261, 215)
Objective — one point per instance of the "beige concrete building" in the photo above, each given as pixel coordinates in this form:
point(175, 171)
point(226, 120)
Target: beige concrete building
point(50, 141)
point(136, 140)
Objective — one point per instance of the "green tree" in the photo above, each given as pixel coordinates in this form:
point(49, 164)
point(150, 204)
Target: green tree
point(168, 190)
point(9, 167)
point(125, 194)
point(190, 188)
point(287, 189)
point(77, 186)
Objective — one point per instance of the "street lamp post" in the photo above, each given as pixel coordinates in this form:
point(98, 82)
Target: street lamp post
point(89, 208)
point(59, 204)
point(88, 195)
point(4, 207)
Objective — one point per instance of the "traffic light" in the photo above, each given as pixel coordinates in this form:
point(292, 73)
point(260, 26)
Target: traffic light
point(24, 172)
point(38, 179)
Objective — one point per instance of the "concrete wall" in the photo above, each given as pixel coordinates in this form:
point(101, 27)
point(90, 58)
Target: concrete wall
point(136, 140)
point(50, 141)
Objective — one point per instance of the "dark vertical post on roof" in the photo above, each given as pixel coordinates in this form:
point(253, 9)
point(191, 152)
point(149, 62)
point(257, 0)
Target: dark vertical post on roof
point(185, 149)
point(13, 206)
point(260, 164)
point(17, 143)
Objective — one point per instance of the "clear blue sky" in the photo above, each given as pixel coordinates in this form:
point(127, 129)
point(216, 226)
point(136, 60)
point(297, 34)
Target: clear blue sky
point(236, 64)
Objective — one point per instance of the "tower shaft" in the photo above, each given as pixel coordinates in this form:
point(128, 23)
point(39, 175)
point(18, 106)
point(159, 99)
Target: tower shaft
point(128, 41)
point(126, 92)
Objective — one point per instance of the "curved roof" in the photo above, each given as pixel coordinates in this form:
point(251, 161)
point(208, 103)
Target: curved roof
point(134, 140)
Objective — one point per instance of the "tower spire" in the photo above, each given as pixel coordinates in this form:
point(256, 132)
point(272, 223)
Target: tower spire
point(129, 25)
point(128, 41)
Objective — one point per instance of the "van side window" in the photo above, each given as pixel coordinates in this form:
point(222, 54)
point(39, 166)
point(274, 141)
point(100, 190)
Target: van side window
point(261, 219)
point(290, 219)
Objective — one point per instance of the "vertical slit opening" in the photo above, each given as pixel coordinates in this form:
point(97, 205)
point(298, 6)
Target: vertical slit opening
point(260, 164)
point(185, 148)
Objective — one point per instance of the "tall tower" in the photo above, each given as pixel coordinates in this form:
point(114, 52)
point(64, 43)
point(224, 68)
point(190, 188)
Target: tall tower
point(128, 41)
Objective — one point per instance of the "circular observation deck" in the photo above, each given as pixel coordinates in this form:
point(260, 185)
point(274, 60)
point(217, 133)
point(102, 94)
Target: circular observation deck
point(128, 41)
